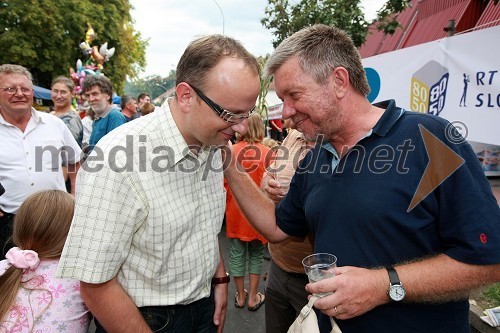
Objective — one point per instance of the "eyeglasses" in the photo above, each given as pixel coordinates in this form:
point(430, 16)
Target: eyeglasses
point(13, 90)
point(225, 115)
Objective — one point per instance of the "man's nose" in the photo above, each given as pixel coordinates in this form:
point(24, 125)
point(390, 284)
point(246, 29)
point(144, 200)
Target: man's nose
point(288, 111)
point(241, 128)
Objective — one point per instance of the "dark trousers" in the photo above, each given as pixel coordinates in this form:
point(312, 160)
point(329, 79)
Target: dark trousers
point(6, 223)
point(285, 297)
point(197, 317)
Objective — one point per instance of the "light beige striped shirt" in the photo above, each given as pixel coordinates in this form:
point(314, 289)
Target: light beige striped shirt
point(150, 215)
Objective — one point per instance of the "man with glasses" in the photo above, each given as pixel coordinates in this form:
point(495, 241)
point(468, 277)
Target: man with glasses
point(144, 237)
point(34, 145)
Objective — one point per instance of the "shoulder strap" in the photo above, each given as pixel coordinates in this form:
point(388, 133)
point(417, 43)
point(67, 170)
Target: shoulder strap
point(307, 308)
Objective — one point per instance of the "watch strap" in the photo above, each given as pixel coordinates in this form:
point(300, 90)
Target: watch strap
point(393, 276)
point(221, 280)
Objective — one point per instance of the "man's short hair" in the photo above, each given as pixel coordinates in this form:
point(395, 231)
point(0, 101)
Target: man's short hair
point(16, 69)
point(320, 49)
point(142, 96)
point(100, 81)
point(205, 53)
point(125, 99)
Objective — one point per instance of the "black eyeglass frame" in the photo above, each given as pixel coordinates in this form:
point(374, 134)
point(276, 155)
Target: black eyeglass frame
point(225, 115)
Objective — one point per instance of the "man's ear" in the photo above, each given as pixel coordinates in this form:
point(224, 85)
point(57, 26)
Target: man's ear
point(340, 78)
point(184, 94)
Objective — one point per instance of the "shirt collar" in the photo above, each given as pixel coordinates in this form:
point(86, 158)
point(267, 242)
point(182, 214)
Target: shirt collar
point(173, 137)
point(34, 117)
point(390, 116)
point(104, 114)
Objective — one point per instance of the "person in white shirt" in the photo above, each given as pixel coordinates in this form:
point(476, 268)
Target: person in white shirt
point(34, 146)
point(150, 205)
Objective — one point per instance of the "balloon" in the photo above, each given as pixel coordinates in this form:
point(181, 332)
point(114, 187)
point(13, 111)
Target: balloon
point(90, 34)
point(105, 52)
point(79, 65)
point(89, 71)
point(97, 56)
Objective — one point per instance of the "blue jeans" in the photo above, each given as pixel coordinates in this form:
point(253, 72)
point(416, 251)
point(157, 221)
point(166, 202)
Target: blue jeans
point(196, 317)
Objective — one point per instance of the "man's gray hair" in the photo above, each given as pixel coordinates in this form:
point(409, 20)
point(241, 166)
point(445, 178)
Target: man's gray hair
point(320, 49)
point(16, 69)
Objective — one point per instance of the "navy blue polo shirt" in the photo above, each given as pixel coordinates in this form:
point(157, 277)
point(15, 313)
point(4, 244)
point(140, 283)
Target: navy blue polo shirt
point(359, 212)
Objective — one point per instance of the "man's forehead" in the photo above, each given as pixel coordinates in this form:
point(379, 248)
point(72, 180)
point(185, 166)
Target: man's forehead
point(16, 77)
point(94, 88)
point(60, 86)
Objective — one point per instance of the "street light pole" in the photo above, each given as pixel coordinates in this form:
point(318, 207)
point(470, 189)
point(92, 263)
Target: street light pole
point(221, 14)
point(159, 85)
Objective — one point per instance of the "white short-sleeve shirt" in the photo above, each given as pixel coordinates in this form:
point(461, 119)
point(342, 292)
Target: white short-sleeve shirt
point(147, 211)
point(30, 161)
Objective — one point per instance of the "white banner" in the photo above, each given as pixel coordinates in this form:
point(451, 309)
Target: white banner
point(457, 78)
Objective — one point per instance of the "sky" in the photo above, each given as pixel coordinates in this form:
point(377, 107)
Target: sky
point(170, 26)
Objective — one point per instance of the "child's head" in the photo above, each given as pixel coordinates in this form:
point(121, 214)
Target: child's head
point(42, 223)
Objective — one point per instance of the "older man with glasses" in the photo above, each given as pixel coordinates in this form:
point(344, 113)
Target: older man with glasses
point(34, 145)
point(144, 237)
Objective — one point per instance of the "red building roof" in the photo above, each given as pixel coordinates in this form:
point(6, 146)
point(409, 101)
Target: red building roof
point(425, 21)
point(490, 17)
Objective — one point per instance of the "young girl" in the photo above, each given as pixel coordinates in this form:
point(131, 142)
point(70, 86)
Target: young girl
point(31, 298)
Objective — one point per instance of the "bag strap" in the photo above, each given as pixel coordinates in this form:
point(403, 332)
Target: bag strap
point(309, 306)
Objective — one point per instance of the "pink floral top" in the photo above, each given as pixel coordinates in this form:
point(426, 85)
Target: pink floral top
point(45, 303)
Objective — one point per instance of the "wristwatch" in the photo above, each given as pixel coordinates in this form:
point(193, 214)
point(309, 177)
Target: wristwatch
point(396, 290)
point(221, 280)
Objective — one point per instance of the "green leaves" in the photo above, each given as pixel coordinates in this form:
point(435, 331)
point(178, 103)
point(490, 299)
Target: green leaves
point(285, 19)
point(44, 36)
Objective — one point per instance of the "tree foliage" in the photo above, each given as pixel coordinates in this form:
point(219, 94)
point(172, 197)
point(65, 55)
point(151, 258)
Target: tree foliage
point(153, 85)
point(284, 18)
point(44, 36)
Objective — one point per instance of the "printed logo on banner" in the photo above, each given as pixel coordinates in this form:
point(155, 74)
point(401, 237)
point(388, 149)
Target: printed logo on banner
point(374, 82)
point(428, 88)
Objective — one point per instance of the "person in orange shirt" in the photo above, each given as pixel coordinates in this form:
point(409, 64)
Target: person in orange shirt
point(247, 245)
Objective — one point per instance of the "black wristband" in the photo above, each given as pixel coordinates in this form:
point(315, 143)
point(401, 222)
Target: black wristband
point(221, 280)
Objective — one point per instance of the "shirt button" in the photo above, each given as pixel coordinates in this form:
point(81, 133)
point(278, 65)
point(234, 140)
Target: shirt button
point(29, 168)
point(32, 184)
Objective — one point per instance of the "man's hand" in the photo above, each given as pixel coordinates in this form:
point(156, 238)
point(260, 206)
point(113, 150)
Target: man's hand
point(355, 291)
point(272, 188)
point(220, 297)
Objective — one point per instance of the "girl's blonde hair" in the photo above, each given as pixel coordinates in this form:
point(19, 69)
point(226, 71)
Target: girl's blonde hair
point(42, 224)
point(255, 132)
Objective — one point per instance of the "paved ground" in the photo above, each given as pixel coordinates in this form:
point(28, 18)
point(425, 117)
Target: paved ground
point(242, 320)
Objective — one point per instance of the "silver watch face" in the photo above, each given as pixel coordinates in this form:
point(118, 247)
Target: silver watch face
point(397, 292)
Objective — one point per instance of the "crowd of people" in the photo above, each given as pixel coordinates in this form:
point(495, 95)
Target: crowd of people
point(138, 250)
